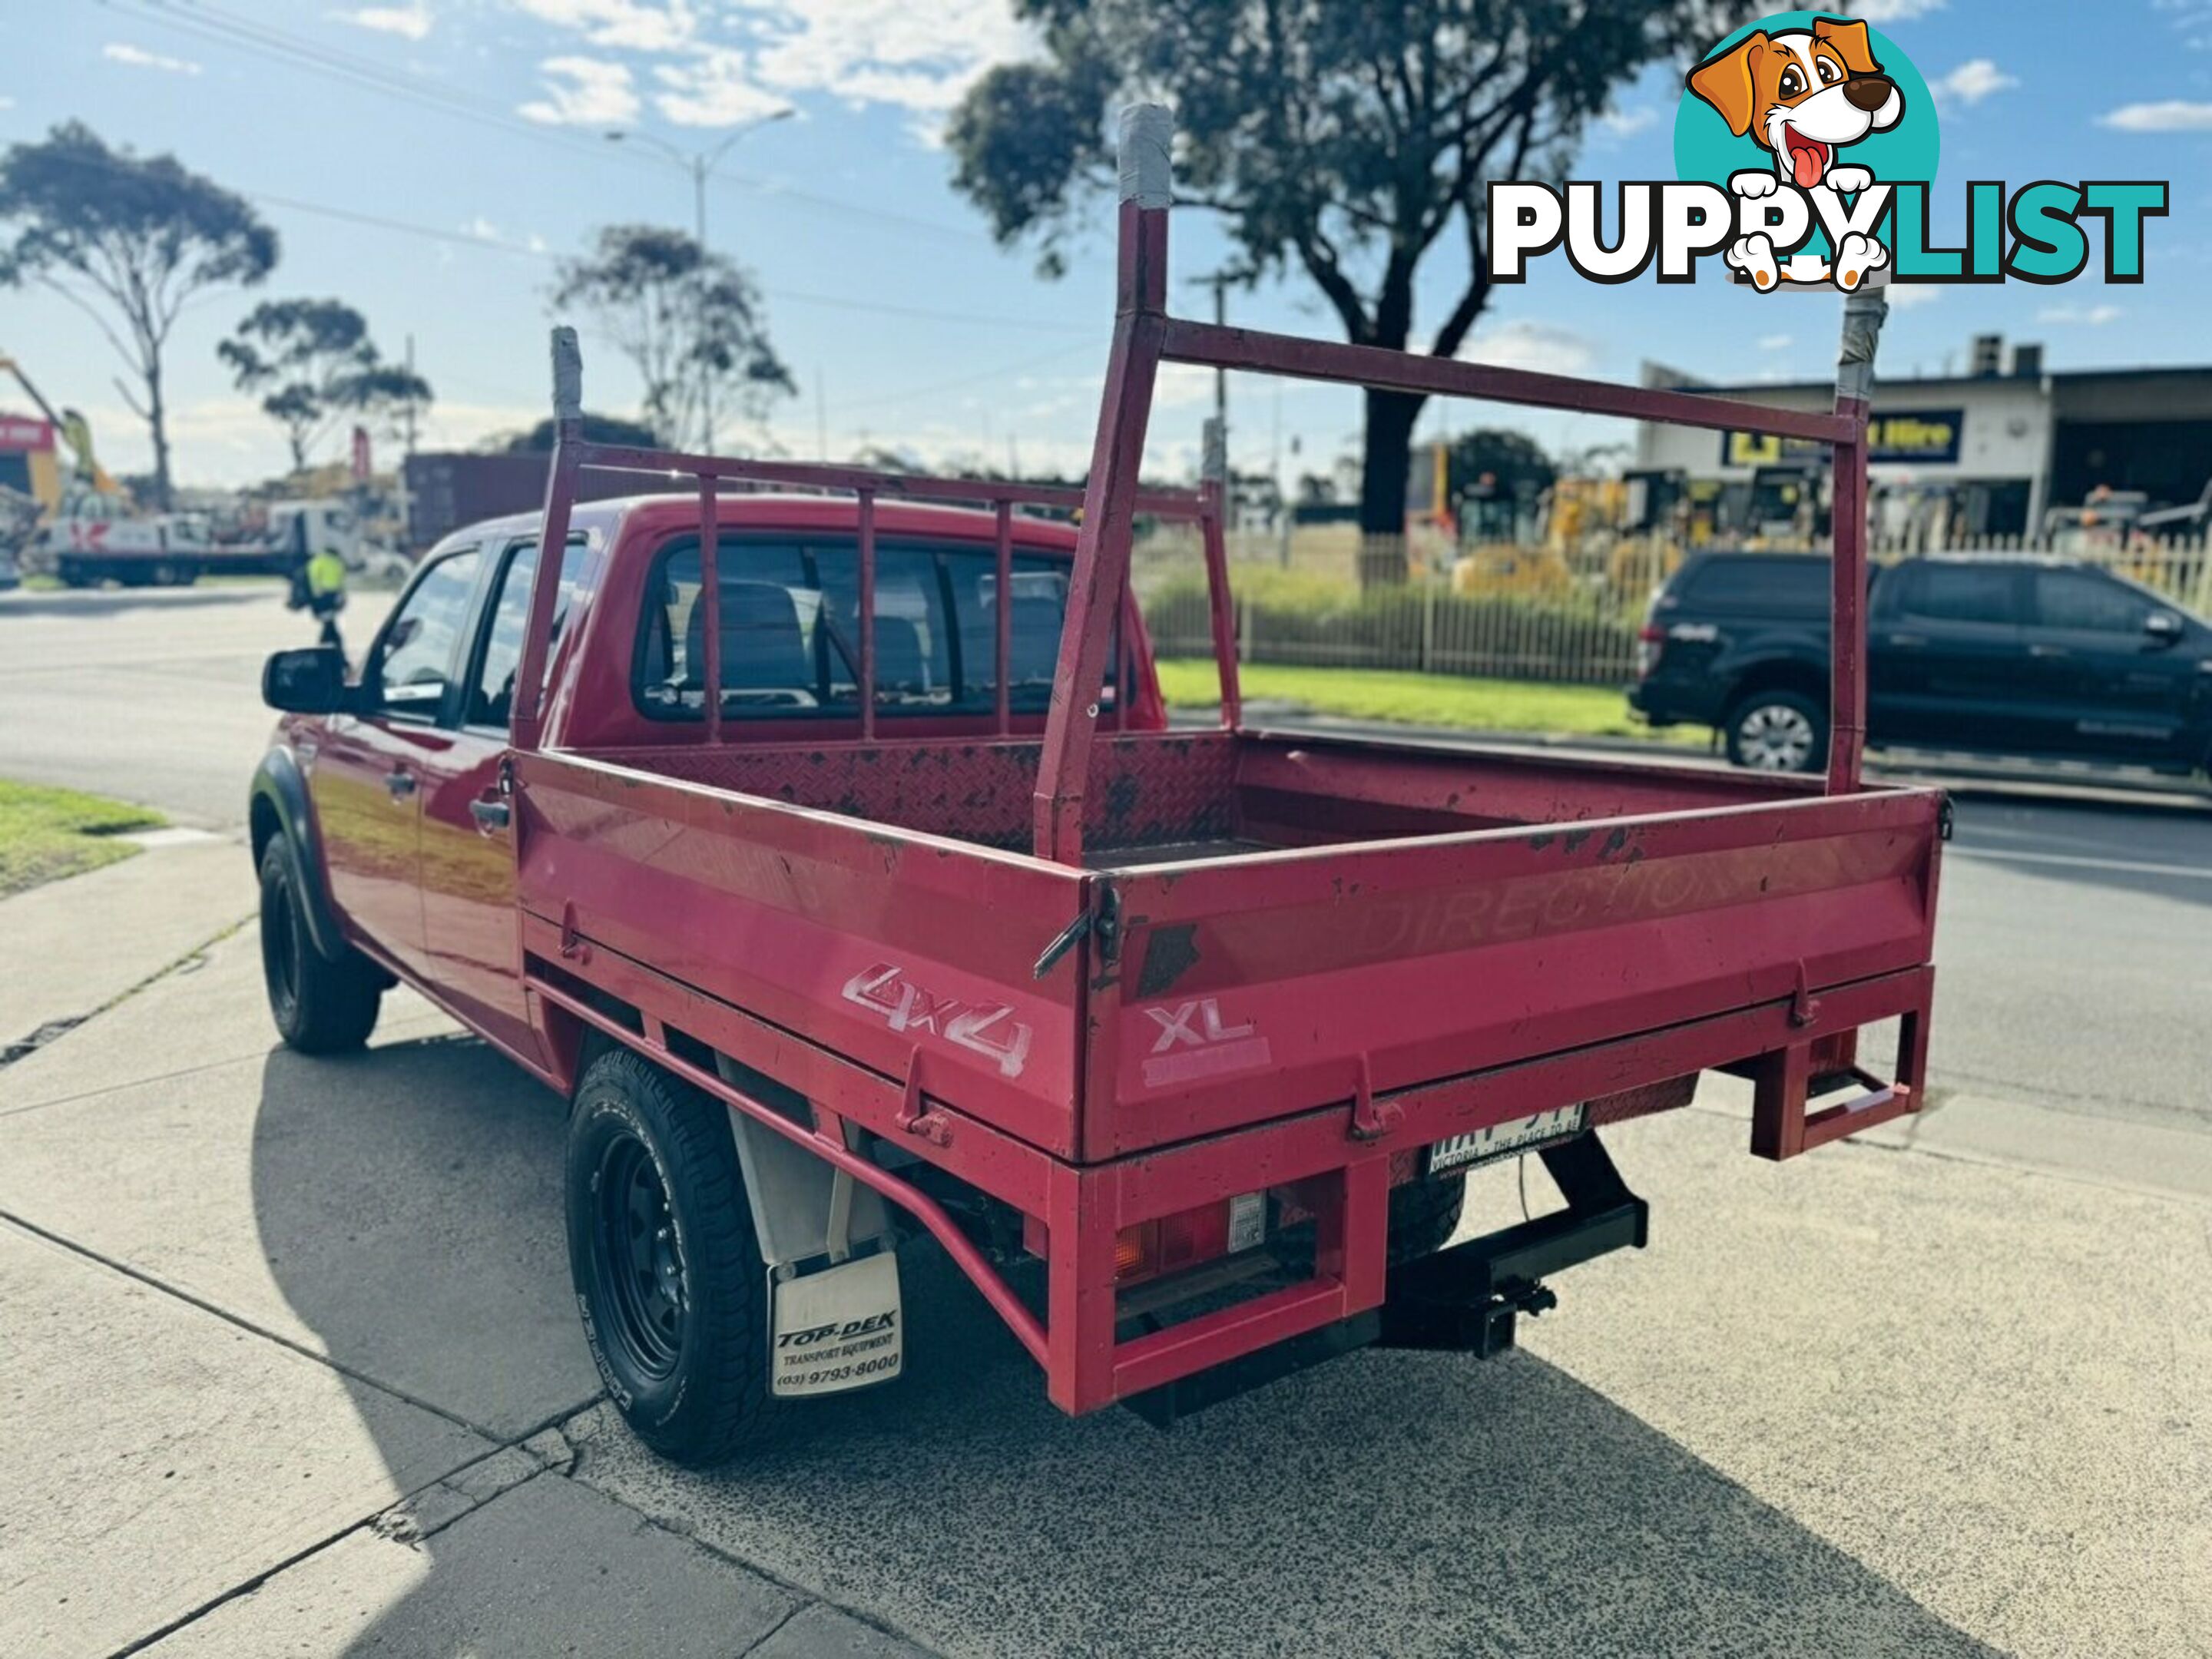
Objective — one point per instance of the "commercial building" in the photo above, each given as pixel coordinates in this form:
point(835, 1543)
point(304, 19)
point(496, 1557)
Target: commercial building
point(1990, 452)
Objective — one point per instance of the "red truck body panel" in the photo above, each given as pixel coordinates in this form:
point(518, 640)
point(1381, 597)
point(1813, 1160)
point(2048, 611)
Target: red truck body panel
point(1108, 974)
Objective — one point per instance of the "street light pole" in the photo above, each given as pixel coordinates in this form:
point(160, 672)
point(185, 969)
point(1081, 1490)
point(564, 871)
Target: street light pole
point(701, 165)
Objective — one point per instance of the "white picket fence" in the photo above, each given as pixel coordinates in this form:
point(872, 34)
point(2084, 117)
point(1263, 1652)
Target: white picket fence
point(1540, 613)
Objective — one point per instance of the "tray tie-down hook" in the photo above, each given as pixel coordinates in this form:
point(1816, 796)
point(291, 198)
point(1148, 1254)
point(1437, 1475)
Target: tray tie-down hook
point(912, 1118)
point(1372, 1119)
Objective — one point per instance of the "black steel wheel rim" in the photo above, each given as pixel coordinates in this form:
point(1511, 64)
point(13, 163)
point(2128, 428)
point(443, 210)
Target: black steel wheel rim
point(280, 948)
point(640, 1261)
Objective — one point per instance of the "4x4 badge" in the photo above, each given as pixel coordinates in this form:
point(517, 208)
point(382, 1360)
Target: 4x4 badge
point(990, 1029)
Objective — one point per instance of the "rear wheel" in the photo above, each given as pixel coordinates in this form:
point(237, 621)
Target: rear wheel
point(1778, 731)
point(320, 1007)
point(1423, 1215)
point(667, 1270)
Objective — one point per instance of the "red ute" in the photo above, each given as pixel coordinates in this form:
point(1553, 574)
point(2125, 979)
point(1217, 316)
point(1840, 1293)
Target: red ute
point(1179, 1042)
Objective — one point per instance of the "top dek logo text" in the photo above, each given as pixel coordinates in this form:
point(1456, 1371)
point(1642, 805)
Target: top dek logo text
point(1806, 146)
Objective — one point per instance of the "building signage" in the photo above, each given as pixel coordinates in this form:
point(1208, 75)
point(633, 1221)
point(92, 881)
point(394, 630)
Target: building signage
point(1905, 437)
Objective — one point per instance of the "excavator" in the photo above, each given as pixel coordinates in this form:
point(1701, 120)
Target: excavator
point(25, 513)
point(86, 472)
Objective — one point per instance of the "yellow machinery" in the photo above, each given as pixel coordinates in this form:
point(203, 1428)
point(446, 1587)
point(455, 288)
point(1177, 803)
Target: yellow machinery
point(76, 432)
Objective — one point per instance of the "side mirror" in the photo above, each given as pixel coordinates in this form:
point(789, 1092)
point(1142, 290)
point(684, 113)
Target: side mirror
point(2163, 627)
point(308, 680)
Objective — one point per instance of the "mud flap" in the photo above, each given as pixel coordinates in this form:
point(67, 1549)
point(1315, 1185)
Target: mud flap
point(802, 1208)
point(839, 1327)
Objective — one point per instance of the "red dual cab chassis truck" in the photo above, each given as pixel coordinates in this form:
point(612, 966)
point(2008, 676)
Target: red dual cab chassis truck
point(1179, 1042)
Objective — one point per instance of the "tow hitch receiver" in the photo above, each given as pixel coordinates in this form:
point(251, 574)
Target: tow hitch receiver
point(1467, 1299)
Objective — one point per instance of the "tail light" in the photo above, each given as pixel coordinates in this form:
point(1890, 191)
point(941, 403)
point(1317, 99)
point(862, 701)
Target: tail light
point(1183, 1240)
point(1649, 638)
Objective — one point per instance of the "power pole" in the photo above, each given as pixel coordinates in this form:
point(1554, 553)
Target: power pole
point(1219, 282)
point(407, 454)
point(410, 416)
point(701, 165)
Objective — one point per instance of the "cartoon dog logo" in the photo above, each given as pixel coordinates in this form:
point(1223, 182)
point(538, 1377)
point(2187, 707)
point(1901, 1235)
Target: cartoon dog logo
point(1804, 94)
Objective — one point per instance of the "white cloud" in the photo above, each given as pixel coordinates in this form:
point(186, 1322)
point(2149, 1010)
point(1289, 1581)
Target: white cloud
point(887, 51)
point(584, 92)
point(138, 57)
point(1545, 347)
point(412, 21)
point(2170, 115)
point(1775, 342)
point(1971, 82)
point(1182, 385)
point(715, 88)
point(1616, 124)
point(628, 25)
point(2093, 316)
point(1894, 11)
point(917, 57)
point(1910, 296)
point(6, 102)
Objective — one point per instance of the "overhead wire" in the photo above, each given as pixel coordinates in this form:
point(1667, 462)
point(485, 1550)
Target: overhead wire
point(210, 23)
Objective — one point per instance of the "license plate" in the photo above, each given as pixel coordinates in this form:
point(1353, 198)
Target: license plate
point(1503, 1140)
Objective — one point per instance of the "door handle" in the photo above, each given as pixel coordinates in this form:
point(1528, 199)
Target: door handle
point(2048, 651)
point(491, 814)
point(1908, 639)
point(400, 782)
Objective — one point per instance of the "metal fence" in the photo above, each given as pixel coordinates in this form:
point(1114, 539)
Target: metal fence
point(1515, 612)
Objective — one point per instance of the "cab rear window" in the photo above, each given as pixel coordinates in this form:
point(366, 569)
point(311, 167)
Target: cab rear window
point(791, 634)
point(1781, 587)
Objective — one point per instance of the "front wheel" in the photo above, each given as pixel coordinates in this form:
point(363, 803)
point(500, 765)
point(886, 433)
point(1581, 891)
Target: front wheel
point(1777, 731)
point(320, 1007)
point(667, 1269)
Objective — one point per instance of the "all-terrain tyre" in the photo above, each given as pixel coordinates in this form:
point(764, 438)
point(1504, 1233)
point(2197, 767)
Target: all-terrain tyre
point(1778, 731)
point(320, 1007)
point(666, 1265)
point(1423, 1215)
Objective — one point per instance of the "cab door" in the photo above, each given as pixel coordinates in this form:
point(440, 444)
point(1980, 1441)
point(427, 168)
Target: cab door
point(1944, 656)
point(365, 776)
point(2098, 683)
point(472, 932)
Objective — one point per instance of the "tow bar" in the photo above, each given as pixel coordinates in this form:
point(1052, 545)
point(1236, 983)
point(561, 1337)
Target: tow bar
point(1467, 1299)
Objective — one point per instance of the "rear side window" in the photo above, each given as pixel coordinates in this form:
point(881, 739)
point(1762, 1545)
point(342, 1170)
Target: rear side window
point(491, 697)
point(1960, 593)
point(2076, 599)
point(791, 629)
point(1763, 587)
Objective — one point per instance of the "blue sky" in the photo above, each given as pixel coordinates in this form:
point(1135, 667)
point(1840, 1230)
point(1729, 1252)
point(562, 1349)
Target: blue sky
point(474, 126)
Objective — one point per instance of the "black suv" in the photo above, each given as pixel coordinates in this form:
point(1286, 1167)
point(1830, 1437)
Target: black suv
point(1993, 653)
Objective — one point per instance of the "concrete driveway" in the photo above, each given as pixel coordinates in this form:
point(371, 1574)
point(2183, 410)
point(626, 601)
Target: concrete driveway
point(292, 1367)
point(291, 1362)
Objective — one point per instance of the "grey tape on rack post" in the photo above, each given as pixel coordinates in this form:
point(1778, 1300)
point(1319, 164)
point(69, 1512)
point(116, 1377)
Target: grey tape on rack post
point(568, 376)
point(1863, 312)
point(1147, 132)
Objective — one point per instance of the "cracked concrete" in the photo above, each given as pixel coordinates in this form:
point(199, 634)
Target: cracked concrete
point(97, 937)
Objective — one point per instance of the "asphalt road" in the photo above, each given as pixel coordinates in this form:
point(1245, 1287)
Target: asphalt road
point(2075, 949)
